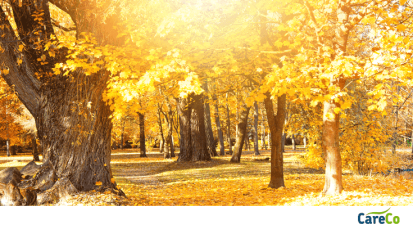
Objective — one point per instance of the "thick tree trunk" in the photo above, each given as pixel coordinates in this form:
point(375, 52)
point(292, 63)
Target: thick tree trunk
point(220, 134)
point(142, 144)
point(293, 140)
point(229, 131)
point(283, 142)
point(77, 142)
point(256, 152)
point(184, 112)
point(35, 151)
point(208, 125)
point(242, 130)
point(198, 134)
point(276, 125)
point(333, 178)
point(72, 120)
point(194, 145)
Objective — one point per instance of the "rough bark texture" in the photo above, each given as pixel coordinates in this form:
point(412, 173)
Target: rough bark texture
point(184, 111)
point(208, 125)
point(256, 151)
point(35, 151)
point(198, 133)
point(72, 120)
point(276, 125)
point(193, 138)
point(242, 130)
point(142, 144)
point(220, 134)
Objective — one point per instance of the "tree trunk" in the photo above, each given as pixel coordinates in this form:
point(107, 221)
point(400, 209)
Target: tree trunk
point(8, 147)
point(184, 111)
point(194, 145)
point(220, 134)
point(208, 125)
point(333, 178)
point(169, 120)
point(162, 141)
point(293, 140)
point(263, 135)
point(121, 137)
point(283, 142)
point(198, 134)
point(72, 120)
point(256, 152)
point(34, 146)
point(276, 125)
point(142, 145)
point(242, 130)
point(229, 131)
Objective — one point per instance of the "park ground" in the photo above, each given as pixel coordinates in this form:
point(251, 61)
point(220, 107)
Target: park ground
point(155, 181)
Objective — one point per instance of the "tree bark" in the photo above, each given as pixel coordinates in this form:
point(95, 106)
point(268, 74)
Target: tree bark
point(276, 125)
point(229, 131)
point(293, 140)
point(169, 143)
point(142, 145)
point(263, 135)
point(256, 152)
point(35, 151)
point(184, 112)
point(72, 120)
point(198, 134)
point(333, 178)
point(193, 138)
point(242, 130)
point(162, 141)
point(283, 142)
point(220, 134)
point(208, 125)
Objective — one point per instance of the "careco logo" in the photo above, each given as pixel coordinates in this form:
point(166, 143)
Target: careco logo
point(378, 218)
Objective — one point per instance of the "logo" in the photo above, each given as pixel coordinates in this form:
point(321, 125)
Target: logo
point(381, 218)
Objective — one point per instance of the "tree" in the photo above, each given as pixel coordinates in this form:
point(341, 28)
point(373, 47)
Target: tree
point(72, 120)
point(142, 145)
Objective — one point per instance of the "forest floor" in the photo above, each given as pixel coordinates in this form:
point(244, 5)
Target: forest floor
point(156, 181)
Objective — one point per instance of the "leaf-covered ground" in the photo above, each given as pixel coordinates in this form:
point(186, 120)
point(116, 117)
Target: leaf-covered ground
point(155, 181)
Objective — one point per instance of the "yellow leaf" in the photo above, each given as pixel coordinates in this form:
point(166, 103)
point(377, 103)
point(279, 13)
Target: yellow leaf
point(43, 57)
point(112, 180)
point(337, 110)
point(19, 61)
point(402, 2)
point(105, 164)
point(21, 48)
point(401, 27)
point(98, 183)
